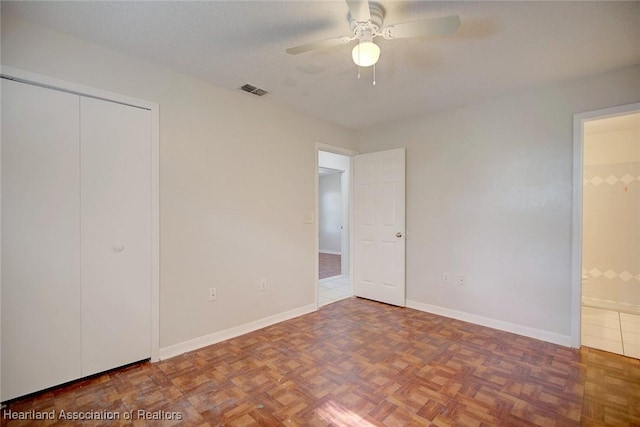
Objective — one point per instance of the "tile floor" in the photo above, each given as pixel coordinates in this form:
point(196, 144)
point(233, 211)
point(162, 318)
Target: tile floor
point(613, 331)
point(333, 289)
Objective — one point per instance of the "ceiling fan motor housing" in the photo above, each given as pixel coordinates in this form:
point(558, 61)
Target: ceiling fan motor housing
point(368, 30)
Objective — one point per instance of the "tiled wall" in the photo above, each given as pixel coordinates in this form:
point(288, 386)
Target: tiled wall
point(611, 234)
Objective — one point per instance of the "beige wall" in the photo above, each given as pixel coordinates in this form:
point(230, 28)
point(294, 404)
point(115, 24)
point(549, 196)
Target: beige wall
point(613, 146)
point(489, 190)
point(611, 217)
point(237, 177)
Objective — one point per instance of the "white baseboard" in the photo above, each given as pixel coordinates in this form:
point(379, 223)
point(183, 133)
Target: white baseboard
point(611, 305)
point(552, 337)
point(216, 337)
point(326, 251)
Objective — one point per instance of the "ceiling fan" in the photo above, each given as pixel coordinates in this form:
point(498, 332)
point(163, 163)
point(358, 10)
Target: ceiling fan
point(366, 24)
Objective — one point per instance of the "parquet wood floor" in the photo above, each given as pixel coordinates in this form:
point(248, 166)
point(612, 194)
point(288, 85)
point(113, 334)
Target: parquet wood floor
point(329, 265)
point(362, 363)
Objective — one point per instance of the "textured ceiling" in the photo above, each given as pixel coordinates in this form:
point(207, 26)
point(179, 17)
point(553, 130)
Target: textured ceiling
point(500, 47)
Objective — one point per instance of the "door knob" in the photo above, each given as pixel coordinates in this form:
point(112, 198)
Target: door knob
point(399, 234)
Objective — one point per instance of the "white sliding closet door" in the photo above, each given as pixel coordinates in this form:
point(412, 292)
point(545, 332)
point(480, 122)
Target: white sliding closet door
point(40, 238)
point(116, 234)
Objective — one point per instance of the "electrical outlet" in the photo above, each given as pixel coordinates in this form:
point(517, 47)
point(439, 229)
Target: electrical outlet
point(263, 284)
point(213, 294)
point(460, 279)
point(445, 277)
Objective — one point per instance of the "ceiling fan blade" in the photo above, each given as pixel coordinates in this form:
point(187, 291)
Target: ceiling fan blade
point(428, 27)
point(318, 45)
point(359, 10)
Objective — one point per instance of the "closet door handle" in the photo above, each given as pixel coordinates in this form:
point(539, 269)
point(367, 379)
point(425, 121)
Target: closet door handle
point(118, 248)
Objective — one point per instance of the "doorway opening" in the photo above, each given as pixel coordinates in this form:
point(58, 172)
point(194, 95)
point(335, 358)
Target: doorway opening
point(334, 181)
point(608, 246)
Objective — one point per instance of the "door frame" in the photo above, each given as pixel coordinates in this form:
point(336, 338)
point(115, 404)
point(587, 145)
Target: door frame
point(344, 152)
point(576, 215)
point(71, 87)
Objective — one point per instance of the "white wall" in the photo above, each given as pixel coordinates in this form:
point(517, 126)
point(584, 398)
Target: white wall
point(333, 161)
point(489, 190)
point(611, 209)
point(330, 213)
point(232, 197)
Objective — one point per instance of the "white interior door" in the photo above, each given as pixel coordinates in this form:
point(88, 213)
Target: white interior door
point(116, 234)
point(40, 238)
point(379, 226)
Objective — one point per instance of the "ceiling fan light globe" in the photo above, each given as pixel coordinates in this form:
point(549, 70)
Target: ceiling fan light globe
point(365, 54)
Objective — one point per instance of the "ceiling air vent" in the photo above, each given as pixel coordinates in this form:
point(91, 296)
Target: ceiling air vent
point(254, 90)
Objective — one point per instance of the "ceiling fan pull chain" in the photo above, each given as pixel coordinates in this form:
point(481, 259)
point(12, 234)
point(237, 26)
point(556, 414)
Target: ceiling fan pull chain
point(374, 74)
